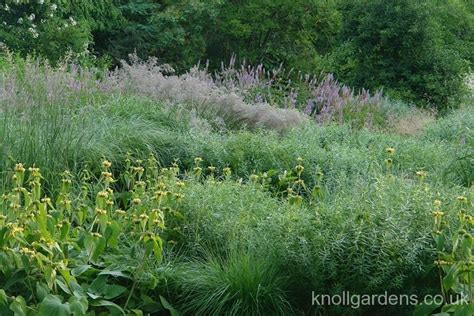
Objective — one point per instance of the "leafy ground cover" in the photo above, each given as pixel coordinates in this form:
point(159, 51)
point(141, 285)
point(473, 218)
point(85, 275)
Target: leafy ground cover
point(127, 196)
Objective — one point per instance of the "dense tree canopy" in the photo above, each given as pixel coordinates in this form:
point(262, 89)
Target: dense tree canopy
point(417, 50)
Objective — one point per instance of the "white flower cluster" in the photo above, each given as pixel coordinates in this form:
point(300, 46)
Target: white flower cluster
point(33, 31)
point(73, 22)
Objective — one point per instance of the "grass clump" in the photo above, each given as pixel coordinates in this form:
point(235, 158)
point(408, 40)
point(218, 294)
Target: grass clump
point(239, 284)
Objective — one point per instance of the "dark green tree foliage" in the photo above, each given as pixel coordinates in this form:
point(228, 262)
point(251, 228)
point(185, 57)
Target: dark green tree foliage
point(174, 31)
point(271, 32)
point(417, 50)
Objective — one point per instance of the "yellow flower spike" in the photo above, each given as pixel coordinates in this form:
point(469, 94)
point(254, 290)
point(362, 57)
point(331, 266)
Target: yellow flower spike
point(180, 184)
point(211, 169)
point(197, 160)
point(421, 174)
point(16, 230)
point(390, 150)
point(197, 170)
point(462, 199)
point(100, 211)
point(299, 160)
point(19, 167)
point(388, 162)
point(437, 203)
point(299, 182)
point(138, 169)
point(120, 212)
point(106, 164)
point(103, 194)
point(227, 172)
point(178, 196)
point(136, 201)
point(15, 206)
point(299, 169)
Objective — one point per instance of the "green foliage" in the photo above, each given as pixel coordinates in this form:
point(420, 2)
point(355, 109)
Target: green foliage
point(237, 285)
point(274, 32)
point(48, 28)
point(416, 50)
point(89, 248)
point(455, 258)
point(176, 32)
point(252, 226)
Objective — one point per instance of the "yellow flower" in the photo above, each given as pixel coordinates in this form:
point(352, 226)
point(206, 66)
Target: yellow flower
point(299, 182)
point(421, 174)
point(211, 169)
point(106, 164)
point(100, 211)
point(120, 212)
point(253, 178)
point(138, 169)
point(299, 169)
point(136, 201)
point(103, 194)
point(227, 171)
point(19, 167)
point(390, 150)
point(437, 203)
point(16, 229)
point(462, 199)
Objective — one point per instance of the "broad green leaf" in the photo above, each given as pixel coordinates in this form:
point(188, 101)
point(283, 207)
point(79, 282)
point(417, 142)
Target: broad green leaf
point(53, 306)
point(77, 271)
point(464, 310)
point(169, 307)
point(18, 306)
point(107, 291)
point(99, 248)
point(113, 308)
point(450, 279)
point(3, 298)
point(41, 291)
point(111, 234)
point(115, 273)
point(424, 309)
point(78, 305)
point(4, 308)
